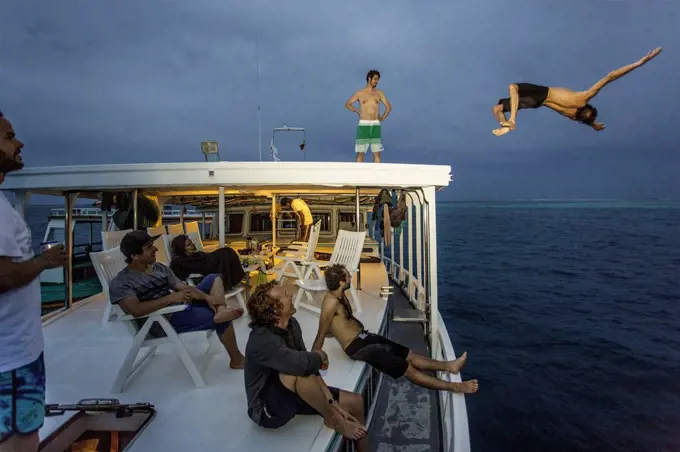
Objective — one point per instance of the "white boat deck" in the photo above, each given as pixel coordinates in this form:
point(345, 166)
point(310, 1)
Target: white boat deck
point(82, 358)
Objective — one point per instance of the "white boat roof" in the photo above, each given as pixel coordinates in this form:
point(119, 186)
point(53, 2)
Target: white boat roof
point(250, 177)
point(82, 358)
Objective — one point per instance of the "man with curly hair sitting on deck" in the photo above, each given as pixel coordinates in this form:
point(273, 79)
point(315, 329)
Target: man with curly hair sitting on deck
point(282, 378)
point(383, 354)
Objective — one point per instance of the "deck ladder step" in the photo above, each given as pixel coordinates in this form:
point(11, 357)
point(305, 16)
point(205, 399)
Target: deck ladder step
point(409, 315)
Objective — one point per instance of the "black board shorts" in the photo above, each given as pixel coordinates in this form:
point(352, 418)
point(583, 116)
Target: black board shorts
point(385, 355)
point(281, 404)
point(530, 96)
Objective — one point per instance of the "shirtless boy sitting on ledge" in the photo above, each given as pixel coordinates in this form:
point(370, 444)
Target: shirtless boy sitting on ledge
point(383, 354)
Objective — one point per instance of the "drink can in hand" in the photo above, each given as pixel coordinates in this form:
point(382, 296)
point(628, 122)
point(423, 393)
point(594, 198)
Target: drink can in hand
point(44, 246)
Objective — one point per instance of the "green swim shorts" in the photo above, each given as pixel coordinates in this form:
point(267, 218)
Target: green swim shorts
point(368, 135)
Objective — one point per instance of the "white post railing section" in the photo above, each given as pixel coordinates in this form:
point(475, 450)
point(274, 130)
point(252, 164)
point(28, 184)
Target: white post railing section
point(421, 289)
point(95, 211)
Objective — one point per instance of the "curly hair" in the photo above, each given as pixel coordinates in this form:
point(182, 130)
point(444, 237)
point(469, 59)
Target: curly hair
point(178, 246)
point(371, 73)
point(335, 274)
point(263, 309)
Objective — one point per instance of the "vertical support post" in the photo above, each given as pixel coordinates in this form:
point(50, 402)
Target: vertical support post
point(431, 232)
point(220, 216)
point(409, 224)
point(105, 222)
point(181, 215)
point(20, 202)
point(203, 234)
point(401, 255)
point(357, 222)
point(419, 253)
point(274, 220)
point(135, 205)
point(68, 239)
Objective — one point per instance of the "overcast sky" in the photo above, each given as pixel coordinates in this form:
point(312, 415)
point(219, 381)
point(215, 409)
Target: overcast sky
point(89, 82)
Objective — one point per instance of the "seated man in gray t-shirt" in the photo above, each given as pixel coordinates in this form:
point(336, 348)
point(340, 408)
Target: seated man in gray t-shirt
point(144, 286)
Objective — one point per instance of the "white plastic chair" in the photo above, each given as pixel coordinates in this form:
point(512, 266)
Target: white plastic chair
point(236, 292)
point(297, 263)
point(112, 239)
point(346, 252)
point(192, 226)
point(156, 230)
point(107, 265)
point(175, 229)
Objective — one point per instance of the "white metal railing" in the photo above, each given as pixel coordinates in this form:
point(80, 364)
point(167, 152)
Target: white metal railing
point(452, 408)
point(95, 211)
point(420, 231)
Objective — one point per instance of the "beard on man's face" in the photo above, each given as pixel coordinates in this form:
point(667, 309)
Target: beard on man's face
point(10, 162)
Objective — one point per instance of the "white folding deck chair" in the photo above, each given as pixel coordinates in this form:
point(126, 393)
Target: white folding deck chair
point(107, 264)
point(175, 229)
point(347, 252)
point(112, 239)
point(297, 262)
point(192, 226)
point(156, 230)
point(236, 292)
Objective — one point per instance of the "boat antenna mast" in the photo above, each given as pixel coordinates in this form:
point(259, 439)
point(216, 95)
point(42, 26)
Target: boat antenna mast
point(257, 97)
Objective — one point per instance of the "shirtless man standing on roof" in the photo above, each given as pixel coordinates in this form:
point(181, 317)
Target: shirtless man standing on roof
point(383, 354)
point(572, 104)
point(369, 129)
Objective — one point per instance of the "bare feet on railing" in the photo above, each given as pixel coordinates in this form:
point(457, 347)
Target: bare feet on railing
point(225, 314)
point(466, 387)
point(455, 366)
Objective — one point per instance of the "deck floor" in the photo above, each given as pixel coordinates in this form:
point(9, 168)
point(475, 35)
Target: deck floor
point(82, 358)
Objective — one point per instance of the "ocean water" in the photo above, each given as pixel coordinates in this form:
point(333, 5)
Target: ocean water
point(570, 313)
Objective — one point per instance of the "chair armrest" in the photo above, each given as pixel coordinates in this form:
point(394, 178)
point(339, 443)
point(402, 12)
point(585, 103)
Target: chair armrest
point(167, 310)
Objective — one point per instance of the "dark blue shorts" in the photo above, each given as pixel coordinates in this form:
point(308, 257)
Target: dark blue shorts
point(207, 282)
point(197, 317)
point(22, 399)
point(281, 404)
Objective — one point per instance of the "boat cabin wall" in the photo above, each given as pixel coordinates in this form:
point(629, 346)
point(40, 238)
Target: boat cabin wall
point(256, 222)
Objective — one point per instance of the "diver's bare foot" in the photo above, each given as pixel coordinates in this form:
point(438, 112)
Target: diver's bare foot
point(457, 365)
point(500, 132)
point(466, 387)
point(225, 314)
point(509, 124)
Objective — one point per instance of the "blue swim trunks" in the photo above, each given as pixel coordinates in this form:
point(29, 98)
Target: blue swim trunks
point(22, 399)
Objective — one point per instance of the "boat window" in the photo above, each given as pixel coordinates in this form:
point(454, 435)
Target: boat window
point(234, 223)
point(260, 222)
point(56, 234)
point(346, 220)
point(287, 222)
point(325, 218)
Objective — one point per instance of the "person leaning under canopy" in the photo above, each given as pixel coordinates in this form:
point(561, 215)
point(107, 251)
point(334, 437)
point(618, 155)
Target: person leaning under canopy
point(572, 104)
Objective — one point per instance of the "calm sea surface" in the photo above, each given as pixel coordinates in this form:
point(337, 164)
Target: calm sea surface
point(570, 313)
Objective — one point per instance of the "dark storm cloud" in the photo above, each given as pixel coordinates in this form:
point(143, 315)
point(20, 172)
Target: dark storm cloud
point(106, 82)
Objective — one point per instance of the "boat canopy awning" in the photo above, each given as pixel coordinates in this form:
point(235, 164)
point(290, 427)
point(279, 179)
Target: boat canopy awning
point(240, 179)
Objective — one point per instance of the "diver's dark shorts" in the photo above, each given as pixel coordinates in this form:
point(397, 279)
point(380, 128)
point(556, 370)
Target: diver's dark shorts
point(530, 96)
point(22, 399)
point(378, 351)
point(281, 404)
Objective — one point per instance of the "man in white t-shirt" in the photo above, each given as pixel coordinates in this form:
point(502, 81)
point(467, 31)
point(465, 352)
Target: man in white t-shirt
point(22, 369)
point(304, 215)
